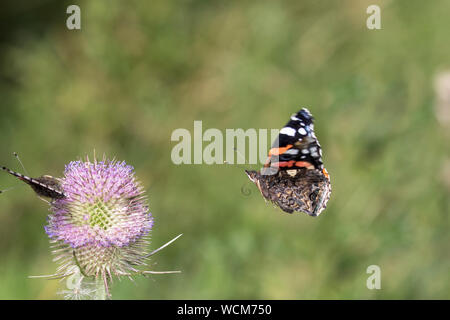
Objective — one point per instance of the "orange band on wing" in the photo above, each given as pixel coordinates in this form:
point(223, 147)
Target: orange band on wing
point(292, 163)
point(304, 164)
point(286, 163)
point(325, 173)
point(278, 151)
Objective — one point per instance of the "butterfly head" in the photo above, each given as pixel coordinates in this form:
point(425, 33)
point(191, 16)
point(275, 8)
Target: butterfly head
point(255, 177)
point(252, 175)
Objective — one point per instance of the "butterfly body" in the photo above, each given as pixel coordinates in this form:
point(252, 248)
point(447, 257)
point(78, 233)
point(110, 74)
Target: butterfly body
point(44, 186)
point(293, 177)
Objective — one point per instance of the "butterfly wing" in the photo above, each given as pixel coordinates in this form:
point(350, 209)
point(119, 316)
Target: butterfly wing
point(297, 145)
point(44, 186)
point(304, 190)
point(48, 186)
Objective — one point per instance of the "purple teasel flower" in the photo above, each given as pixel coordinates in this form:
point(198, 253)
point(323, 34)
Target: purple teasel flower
point(100, 223)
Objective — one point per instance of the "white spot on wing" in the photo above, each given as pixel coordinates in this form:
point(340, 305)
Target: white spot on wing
point(291, 151)
point(302, 131)
point(288, 131)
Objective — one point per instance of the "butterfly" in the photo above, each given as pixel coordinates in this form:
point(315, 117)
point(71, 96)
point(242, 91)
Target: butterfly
point(44, 186)
point(293, 177)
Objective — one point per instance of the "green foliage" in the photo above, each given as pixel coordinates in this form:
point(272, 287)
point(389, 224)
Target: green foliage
point(137, 70)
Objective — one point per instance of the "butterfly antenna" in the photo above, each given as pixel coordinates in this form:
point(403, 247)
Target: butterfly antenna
point(12, 173)
point(3, 191)
point(23, 167)
point(18, 175)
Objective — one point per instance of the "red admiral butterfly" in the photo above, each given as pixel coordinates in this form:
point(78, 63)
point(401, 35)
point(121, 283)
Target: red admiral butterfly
point(44, 186)
point(293, 176)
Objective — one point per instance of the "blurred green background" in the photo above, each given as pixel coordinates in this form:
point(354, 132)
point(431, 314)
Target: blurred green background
point(137, 70)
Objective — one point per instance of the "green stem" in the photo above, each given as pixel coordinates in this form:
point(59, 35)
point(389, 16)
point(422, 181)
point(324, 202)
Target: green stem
point(100, 291)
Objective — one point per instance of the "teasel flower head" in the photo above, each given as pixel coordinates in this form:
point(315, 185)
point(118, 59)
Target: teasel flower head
point(100, 228)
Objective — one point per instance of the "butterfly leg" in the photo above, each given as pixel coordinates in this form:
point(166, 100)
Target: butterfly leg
point(45, 200)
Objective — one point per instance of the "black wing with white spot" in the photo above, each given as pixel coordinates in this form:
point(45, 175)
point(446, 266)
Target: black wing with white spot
point(297, 145)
